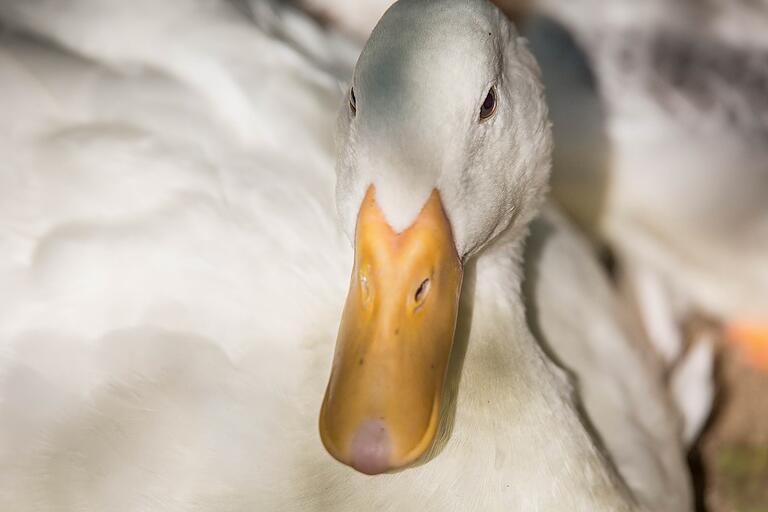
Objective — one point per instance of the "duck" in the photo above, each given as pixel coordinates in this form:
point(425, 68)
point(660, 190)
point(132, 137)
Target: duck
point(205, 318)
point(679, 123)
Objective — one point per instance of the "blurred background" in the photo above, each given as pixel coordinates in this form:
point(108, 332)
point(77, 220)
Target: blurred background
point(660, 115)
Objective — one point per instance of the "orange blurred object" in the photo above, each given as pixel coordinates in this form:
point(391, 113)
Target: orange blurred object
point(752, 340)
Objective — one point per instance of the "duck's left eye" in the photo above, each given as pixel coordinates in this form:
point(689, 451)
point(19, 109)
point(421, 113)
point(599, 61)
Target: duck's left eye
point(488, 108)
point(352, 101)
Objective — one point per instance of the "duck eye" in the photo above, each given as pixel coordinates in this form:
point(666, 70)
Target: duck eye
point(352, 101)
point(488, 108)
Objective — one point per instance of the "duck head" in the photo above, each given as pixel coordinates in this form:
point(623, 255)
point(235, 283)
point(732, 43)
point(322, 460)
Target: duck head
point(443, 144)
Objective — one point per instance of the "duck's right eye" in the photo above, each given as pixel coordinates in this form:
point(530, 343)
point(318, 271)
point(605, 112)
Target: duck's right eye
point(488, 108)
point(352, 101)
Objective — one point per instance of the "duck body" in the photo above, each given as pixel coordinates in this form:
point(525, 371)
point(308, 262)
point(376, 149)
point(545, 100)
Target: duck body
point(174, 290)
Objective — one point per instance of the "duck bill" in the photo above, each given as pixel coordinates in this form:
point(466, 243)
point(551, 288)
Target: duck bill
point(382, 406)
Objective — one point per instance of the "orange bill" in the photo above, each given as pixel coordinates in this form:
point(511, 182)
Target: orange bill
point(382, 405)
point(752, 340)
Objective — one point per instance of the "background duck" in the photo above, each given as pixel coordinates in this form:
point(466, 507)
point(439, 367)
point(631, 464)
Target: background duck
point(685, 120)
point(176, 280)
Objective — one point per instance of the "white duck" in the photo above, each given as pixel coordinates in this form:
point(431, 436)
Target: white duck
point(683, 159)
point(174, 282)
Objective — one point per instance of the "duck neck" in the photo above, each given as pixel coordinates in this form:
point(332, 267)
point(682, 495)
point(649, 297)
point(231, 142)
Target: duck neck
point(512, 392)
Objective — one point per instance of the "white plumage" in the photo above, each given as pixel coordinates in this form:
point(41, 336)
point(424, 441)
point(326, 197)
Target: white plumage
point(174, 274)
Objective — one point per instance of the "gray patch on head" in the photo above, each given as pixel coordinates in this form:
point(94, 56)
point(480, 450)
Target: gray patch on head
point(408, 73)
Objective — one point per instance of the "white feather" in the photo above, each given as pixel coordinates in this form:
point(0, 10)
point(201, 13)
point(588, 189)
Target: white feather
point(174, 273)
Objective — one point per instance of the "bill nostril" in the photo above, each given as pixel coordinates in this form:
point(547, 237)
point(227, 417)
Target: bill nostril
point(371, 448)
point(421, 292)
point(365, 285)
